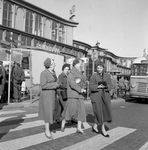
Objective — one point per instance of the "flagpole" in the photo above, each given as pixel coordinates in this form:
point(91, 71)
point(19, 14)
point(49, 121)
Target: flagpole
point(30, 69)
point(9, 81)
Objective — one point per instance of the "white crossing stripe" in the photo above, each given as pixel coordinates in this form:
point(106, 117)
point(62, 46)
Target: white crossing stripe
point(31, 140)
point(144, 147)
point(10, 112)
point(27, 116)
point(21, 126)
point(98, 142)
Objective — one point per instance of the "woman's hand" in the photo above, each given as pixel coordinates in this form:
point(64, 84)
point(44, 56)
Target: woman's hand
point(83, 91)
point(101, 86)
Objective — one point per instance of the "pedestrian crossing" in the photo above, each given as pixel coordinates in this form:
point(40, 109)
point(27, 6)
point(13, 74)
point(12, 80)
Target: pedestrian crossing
point(95, 142)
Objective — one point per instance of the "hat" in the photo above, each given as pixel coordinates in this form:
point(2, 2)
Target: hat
point(47, 62)
point(65, 65)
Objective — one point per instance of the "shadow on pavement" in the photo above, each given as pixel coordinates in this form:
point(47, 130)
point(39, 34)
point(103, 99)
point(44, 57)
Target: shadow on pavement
point(2, 105)
point(10, 124)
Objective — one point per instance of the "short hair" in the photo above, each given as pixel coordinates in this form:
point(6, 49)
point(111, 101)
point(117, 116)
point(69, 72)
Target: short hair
point(76, 61)
point(65, 65)
point(100, 63)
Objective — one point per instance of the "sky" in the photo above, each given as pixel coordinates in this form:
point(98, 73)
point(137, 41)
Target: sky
point(120, 26)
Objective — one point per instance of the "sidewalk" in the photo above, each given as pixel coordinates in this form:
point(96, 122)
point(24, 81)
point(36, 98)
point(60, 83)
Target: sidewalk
point(34, 103)
point(23, 104)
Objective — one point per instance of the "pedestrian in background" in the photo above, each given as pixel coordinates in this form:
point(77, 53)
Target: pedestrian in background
point(75, 107)
point(2, 81)
point(18, 77)
point(6, 83)
point(49, 85)
point(62, 91)
point(115, 85)
point(100, 86)
point(121, 83)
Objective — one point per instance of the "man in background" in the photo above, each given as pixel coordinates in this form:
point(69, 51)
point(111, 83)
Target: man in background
point(2, 81)
point(18, 77)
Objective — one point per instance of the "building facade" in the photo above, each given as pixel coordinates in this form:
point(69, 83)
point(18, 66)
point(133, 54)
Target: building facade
point(112, 62)
point(35, 27)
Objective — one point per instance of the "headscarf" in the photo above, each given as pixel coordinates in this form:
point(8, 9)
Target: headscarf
point(47, 62)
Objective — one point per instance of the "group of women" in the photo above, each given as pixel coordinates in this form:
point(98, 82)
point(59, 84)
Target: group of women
point(68, 92)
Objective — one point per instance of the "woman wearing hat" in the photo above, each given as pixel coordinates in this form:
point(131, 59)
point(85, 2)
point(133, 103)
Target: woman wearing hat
point(100, 85)
point(49, 85)
point(75, 107)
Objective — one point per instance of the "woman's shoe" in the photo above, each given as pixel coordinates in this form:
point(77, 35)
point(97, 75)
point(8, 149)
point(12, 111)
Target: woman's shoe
point(81, 132)
point(105, 135)
point(49, 137)
point(63, 129)
point(94, 130)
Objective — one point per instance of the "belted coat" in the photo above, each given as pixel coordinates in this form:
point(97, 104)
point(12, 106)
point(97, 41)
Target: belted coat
point(100, 98)
point(47, 99)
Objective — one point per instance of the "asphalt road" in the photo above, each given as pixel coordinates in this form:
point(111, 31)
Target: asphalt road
point(21, 129)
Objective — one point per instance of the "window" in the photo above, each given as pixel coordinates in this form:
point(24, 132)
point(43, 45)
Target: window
point(61, 33)
point(26, 40)
point(54, 31)
point(38, 42)
point(7, 14)
point(29, 21)
point(140, 69)
point(38, 25)
point(1, 34)
point(47, 29)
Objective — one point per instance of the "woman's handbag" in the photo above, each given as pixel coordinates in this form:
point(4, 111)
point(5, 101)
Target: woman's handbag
point(64, 94)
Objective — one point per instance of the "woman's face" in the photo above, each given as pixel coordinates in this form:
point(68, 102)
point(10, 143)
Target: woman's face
point(99, 69)
point(79, 65)
point(66, 70)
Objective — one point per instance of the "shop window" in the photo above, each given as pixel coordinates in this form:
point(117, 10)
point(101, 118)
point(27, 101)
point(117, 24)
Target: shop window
point(19, 21)
point(61, 33)
point(7, 14)
point(54, 30)
point(1, 34)
point(26, 40)
point(38, 25)
point(47, 29)
point(15, 36)
point(36, 42)
point(29, 21)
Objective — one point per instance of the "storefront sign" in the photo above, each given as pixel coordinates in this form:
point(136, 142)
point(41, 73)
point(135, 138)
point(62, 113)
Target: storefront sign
point(53, 49)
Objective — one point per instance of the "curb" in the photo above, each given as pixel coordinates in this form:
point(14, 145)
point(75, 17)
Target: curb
point(23, 104)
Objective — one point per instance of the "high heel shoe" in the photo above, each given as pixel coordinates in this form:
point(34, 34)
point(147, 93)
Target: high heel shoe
point(94, 130)
point(49, 137)
point(105, 135)
point(63, 129)
point(81, 132)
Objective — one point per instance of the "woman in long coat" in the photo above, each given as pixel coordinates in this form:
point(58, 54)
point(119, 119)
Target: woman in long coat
point(75, 107)
point(62, 92)
point(100, 98)
point(49, 85)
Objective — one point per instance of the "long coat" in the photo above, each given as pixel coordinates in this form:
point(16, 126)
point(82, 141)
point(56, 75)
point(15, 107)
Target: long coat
point(18, 77)
point(62, 96)
point(47, 96)
point(100, 98)
point(75, 107)
point(2, 80)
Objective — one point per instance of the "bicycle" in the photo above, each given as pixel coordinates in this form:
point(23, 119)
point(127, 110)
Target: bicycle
point(121, 92)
